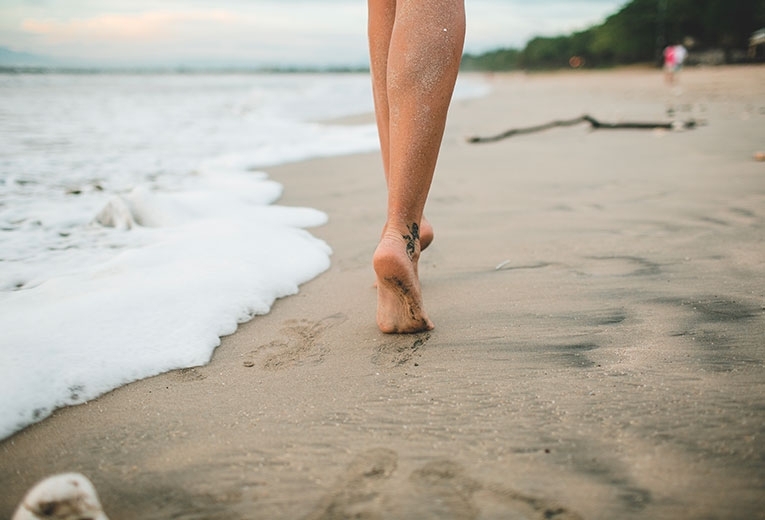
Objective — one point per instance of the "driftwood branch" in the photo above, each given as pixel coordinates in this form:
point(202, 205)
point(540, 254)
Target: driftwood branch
point(594, 123)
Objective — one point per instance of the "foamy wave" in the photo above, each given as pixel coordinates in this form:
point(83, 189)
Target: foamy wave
point(211, 255)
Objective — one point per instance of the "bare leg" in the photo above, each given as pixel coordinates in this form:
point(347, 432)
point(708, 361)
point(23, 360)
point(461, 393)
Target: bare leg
point(415, 49)
point(381, 19)
point(382, 15)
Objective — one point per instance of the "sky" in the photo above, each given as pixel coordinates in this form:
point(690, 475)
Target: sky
point(256, 32)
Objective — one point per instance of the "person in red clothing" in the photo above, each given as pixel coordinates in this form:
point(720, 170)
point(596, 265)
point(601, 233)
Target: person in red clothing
point(670, 64)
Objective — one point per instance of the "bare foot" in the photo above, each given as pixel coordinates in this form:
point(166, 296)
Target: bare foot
point(399, 299)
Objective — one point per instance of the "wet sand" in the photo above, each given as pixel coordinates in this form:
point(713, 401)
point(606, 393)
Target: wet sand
point(599, 351)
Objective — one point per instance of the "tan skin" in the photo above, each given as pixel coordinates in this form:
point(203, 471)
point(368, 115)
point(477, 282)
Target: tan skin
point(415, 50)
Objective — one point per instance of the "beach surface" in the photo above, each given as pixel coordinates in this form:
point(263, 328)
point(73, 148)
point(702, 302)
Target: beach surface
point(599, 350)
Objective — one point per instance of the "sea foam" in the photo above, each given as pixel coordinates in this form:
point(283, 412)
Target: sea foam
point(205, 258)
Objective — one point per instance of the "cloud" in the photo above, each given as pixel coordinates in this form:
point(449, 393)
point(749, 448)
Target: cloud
point(268, 33)
point(140, 27)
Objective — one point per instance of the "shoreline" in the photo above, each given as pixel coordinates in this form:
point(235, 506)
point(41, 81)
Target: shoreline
point(598, 299)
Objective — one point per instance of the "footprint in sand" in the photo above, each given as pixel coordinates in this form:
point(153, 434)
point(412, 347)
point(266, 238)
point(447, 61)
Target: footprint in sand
point(441, 489)
point(399, 350)
point(356, 493)
point(445, 490)
point(302, 344)
point(188, 375)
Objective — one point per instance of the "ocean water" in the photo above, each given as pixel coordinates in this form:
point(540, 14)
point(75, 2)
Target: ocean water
point(138, 224)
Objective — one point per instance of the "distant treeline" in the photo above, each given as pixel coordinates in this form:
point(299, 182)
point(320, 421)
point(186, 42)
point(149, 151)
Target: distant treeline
point(637, 34)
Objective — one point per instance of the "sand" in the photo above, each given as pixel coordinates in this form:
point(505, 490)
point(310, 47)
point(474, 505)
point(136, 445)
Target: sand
point(599, 351)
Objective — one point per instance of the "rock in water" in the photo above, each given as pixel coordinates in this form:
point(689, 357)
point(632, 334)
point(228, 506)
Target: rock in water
point(116, 214)
point(69, 496)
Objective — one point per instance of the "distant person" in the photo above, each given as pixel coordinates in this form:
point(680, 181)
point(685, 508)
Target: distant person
point(415, 49)
point(669, 64)
point(674, 57)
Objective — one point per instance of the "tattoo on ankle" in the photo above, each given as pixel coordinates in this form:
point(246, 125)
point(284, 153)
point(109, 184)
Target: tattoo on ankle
point(411, 239)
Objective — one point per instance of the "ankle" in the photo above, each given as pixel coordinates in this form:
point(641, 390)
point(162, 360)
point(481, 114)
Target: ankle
point(408, 235)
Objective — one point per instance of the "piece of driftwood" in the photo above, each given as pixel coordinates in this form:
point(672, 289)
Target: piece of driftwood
point(594, 123)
